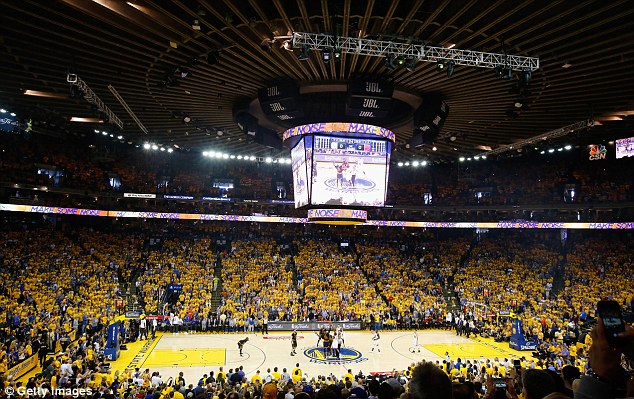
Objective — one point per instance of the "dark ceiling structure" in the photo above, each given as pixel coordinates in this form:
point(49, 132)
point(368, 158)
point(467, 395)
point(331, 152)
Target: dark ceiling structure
point(183, 66)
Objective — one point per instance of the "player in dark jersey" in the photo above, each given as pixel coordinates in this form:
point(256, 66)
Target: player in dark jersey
point(294, 342)
point(241, 344)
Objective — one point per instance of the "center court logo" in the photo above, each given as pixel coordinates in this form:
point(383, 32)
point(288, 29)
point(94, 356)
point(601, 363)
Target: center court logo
point(346, 355)
point(42, 392)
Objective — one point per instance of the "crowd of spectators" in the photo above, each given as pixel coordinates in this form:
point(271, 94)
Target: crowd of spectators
point(100, 170)
point(63, 281)
point(333, 285)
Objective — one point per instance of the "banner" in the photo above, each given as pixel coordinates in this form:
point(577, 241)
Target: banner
point(24, 367)
point(139, 195)
point(312, 325)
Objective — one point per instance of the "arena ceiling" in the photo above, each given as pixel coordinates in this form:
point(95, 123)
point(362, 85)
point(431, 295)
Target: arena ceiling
point(586, 52)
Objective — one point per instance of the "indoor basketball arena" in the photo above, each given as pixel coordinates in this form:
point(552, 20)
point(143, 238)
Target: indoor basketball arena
point(316, 200)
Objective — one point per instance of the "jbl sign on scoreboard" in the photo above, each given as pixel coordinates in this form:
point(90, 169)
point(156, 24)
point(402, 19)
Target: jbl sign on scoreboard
point(370, 99)
point(281, 100)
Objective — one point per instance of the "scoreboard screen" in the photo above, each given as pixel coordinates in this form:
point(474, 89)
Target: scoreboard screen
point(348, 171)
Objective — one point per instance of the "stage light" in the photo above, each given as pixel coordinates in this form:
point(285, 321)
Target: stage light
point(162, 148)
point(550, 151)
point(424, 163)
point(503, 72)
point(232, 156)
point(187, 119)
point(12, 114)
point(239, 156)
point(525, 78)
point(477, 158)
point(400, 61)
point(415, 164)
point(461, 159)
point(268, 160)
point(96, 131)
point(406, 163)
point(568, 147)
point(389, 62)
point(542, 152)
point(337, 53)
point(304, 54)
point(111, 135)
point(104, 133)
point(154, 147)
point(400, 164)
point(119, 137)
point(251, 158)
point(559, 149)
point(410, 64)
point(4, 111)
point(326, 54)
point(170, 150)
point(484, 157)
point(147, 146)
point(434, 148)
point(450, 68)
point(205, 153)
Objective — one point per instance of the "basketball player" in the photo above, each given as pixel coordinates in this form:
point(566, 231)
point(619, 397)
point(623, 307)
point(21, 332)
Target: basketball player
point(241, 344)
point(320, 336)
point(294, 343)
point(415, 342)
point(376, 338)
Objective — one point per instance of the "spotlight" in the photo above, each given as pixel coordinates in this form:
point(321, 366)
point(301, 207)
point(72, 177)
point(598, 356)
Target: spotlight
point(461, 159)
point(400, 164)
point(205, 153)
point(434, 148)
point(187, 118)
point(154, 147)
point(519, 103)
point(550, 151)
point(389, 62)
point(503, 72)
point(239, 156)
point(410, 64)
point(440, 65)
point(12, 114)
point(326, 54)
point(450, 68)
point(268, 160)
point(415, 164)
point(484, 157)
point(251, 158)
point(525, 78)
point(304, 55)
point(4, 111)
point(162, 148)
point(119, 137)
point(337, 53)
point(147, 146)
point(104, 133)
point(287, 45)
point(400, 61)
point(170, 150)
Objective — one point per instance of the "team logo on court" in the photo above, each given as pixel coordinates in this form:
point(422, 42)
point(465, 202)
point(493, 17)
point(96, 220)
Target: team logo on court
point(346, 355)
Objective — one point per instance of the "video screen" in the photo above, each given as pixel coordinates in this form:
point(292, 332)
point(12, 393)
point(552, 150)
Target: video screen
point(349, 171)
point(300, 176)
point(625, 148)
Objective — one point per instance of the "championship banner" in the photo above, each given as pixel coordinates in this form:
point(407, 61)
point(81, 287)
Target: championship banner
point(312, 325)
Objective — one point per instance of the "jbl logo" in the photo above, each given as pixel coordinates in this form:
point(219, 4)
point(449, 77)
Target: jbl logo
point(277, 107)
point(372, 87)
point(272, 91)
point(370, 103)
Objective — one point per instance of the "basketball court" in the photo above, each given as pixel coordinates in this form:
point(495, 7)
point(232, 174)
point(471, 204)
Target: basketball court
point(198, 354)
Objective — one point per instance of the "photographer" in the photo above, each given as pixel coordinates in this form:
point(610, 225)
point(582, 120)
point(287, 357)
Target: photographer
point(606, 379)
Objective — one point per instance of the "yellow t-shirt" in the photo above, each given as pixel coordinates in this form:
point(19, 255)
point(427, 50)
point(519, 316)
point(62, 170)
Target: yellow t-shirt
point(256, 379)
